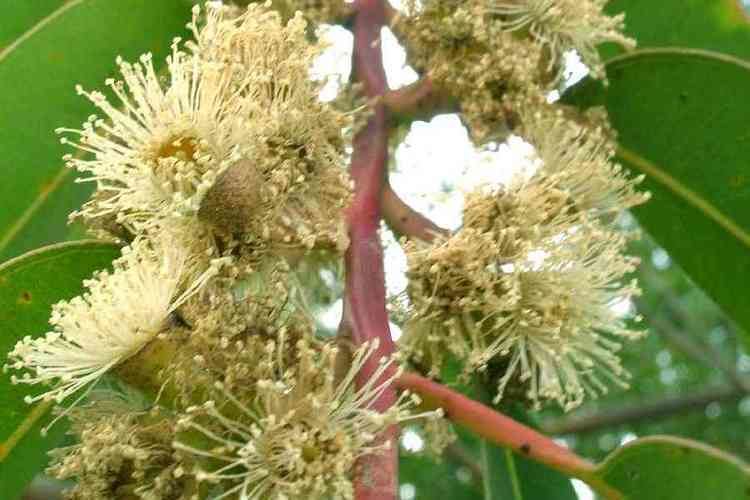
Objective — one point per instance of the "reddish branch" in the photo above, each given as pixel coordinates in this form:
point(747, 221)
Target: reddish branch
point(404, 220)
point(365, 317)
point(419, 101)
point(504, 431)
point(495, 426)
point(365, 312)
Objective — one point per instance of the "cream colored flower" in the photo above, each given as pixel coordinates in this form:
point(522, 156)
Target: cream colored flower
point(156, 153)
point(234, 137)
point(575, 183)
point(295, 143)
point(578, 160)
point(467, 56)
point(257, 37)
point(302, 431)
point(546, 317)
point(485, 52)
point(564, 25)
point(119, 454)
point(120, 313)
point(452, 281)
point(315, 11)
point(562, 336)
point(529, 281)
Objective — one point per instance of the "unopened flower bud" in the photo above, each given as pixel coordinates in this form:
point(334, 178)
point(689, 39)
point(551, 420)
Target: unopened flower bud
point(234, 199)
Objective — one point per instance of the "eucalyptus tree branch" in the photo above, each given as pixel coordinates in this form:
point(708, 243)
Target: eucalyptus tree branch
point(504, 431)
point(404, 220)
point(421, 100)
point(649, 411)
point(364, 301)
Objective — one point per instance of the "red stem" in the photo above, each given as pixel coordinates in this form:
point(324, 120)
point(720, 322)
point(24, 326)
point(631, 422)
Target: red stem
point(365, 306)
point(419, 101)
point(495, 426)
point(504, 431)
point(365, 316)
point(406, 221)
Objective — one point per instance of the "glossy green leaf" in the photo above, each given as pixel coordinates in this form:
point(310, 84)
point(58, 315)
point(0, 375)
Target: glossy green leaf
point(23, 15)
point(681, 121)
point(29, 285)
point(717, 25)
point(668, 468)
point(514, 476)
point(49, 48)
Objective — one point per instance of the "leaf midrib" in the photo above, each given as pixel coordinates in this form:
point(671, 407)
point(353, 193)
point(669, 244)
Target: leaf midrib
point(655, 173)
point(37, 27)
point(14, 229)
point(660, 175)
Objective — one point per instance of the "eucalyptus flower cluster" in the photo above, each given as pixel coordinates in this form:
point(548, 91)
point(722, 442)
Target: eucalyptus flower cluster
point(525, 288)
point(302, 430)
point(235, 145)
point(127, 454)
point(486, 52)
point(315, 11)
point(223, 179)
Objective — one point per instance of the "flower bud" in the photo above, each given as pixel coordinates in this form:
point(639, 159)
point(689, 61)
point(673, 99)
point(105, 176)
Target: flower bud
point(234, 199)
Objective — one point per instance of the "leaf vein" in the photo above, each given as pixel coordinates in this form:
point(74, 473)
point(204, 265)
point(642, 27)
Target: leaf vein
point(38, 412)
point(27, 214)
point(685, 193)
point(38, 26)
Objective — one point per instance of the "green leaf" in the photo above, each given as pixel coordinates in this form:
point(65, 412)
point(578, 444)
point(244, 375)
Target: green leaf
point(21, 16)
point(668, 468)
point(29, 285)
point(717, 25)
point(49, 47)
point(511, 476)
point(680, 122)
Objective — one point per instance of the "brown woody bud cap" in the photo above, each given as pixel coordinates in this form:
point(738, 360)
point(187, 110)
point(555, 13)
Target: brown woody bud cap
point(234, 199)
